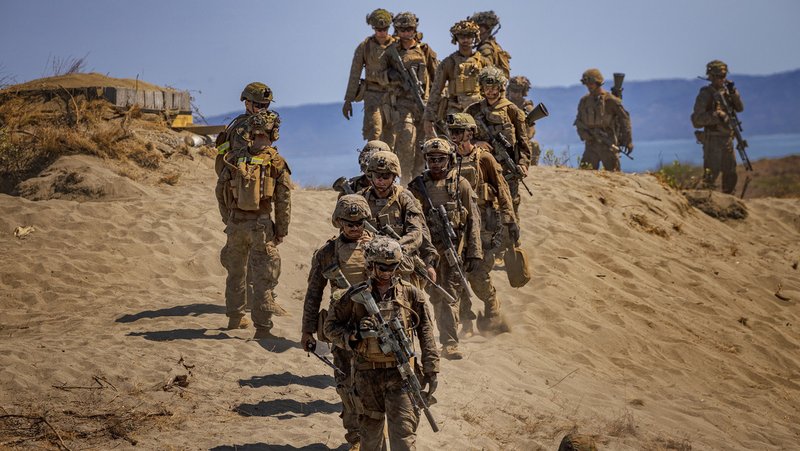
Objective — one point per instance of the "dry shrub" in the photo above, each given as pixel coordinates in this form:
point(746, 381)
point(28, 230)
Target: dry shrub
point(148, 159)
point(171, 178)
point(207, 151)
point(641, 222)
point(623, 425)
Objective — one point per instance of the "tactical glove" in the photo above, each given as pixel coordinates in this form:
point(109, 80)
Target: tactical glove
point(472, 264)
point(513, 232)
point(430, 380)
point(309, 342)
point(347, 110)
point(394, 75)
point(367, 326)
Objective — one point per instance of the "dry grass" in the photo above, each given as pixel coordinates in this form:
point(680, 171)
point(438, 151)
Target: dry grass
point(623, 425)
point(641, 222)
point(171, 178)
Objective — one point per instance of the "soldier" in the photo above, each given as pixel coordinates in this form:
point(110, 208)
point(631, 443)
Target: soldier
point(377, 380)
point(439, 187)
point(487, 45)
point(459, 73)
point(518, 88)
point(476, 164)
point(717, 137)
point(256, 97)
point(360, 182)
point(374, 87)
point(345, 253)
point(496, 116)
point(416, 57)
point(603, 123)
point(254, 192)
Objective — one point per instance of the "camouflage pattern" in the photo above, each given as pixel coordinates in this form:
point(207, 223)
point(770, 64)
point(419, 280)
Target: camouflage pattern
point(493, 52)
point(455, 193)
point(405, 20)
point(256, 92)
point(575, 442)
point(380, 18)
point(518, 88)
point(716, 137)
point(350, 207)
point(406, 117)
point(492, 76)
point(716, 68)
point(461, 121)
point(459, 74)
point(602, 113)
point(368, 57)
point(487, 19)
point(400, 212)
point(506, 118)
point(464, 27)
point(384, 162)
point(592, 76)
point(379, 383)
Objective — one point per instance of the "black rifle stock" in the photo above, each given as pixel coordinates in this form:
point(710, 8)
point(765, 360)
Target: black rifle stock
point(602, 137)
point(343, 186)
point(539, 112)
point(502, 147)
point(735, 125)
point(616, 90)
point(393, 340)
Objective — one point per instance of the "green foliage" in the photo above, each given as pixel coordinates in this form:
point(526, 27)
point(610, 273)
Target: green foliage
point(680, 175)
point(778, 185)
point(551, 159)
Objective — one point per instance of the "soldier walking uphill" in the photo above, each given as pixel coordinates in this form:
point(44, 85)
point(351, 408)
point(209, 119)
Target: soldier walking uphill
point(502, 124)
point(412, 65)
point(487, 45)
point(476, 164)
point(360, 182)
point(717, 136)
point(254, 195)
point(343, 255)
point(603, 123)
point(374, 87)
point(380, 385)
point(518, 88)
point(453, 219)
point(459, 73)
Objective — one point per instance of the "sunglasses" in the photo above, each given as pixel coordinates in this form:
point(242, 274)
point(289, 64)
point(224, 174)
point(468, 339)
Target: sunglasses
point(387, 268)
point(405, 29)
point(457, 131)
point(382, 175)
point(352, 224)
point(382, 29)
point(436, 160)
point(260, 105)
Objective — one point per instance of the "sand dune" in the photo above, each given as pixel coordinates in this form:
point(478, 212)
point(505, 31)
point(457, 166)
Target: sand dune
point(648, 324)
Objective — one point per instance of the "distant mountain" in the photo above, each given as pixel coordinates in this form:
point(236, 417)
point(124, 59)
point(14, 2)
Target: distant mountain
point(659, 110)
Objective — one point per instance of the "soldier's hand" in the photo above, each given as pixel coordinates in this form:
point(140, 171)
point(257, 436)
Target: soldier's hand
point(367, 324)
point(394, 75)
point(721, 115)
point(472, 264)
point(513, 232)
point(308, 341)
point(523, 170)
point(347, 110)
point(432, 273)
point(277, 240)
point(431, 381)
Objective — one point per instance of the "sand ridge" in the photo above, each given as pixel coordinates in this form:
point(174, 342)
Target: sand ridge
point(647, 323)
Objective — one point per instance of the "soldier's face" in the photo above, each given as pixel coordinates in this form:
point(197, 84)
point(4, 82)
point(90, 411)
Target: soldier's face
point(592, 87)
point(381, 34)
point(465, 41)
point(384, 272)
point(717, 81)
point(515, 93)
point(382, 181)
point(254, 107)
point(352, 230)
point(406, 33)
point(491, 92)
point(438, 164)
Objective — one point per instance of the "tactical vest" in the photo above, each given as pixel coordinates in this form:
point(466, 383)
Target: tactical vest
point(498, 120)
point(469, 168)
point(374, 64)
point(415, 59)
point(369, 348)
point(253, 178)
point(593, 112)
point(351, 260)
point(466, 76)
point(499, 57)
point(387, 211)
point(443, 192)
point(223, 143)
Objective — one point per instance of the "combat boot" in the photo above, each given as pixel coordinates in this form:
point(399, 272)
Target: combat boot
point(263, 333)
point(467, 329)
point(240, 322)
point(451, 352)
point(495, 324)
point(273, 306)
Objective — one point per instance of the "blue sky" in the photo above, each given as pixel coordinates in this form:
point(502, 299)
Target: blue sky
point(303, 49)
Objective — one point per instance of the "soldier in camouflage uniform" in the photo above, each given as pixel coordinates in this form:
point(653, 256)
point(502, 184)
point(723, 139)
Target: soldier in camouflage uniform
point(487, 45)
point(459, 74)
point(377, 381)
point(360, 182)
point(476, 164)
point(500, 116)
point(603, 123)
point(439, 186)
point(717, 137)
point(345, 253)
point(407, 115)
point(518, 88)
point(374, 88)
point(253, 190)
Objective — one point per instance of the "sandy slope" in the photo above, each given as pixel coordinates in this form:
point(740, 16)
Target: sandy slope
point(647, 323)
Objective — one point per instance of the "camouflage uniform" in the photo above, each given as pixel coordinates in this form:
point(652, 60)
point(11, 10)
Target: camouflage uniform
point(507, 119)
point(348, 256)
point(360, 182)
point(377, 381)
point(494, 202)
point(455, 193)
point(602, 117)
point(716, 137)
point(488, 46)
point(518, 88)
point(407, 115)
point(368, 56)
point(459, 74)
point(252, 230)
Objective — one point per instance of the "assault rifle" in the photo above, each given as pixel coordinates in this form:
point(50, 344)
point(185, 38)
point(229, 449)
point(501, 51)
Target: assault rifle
point(343, 185)
point(393, 340)
point(502, 147)
point(616, 90)
point(420, 268)
point(734, 124)
point(601, 136)
point(410, 80)
point(540, 111)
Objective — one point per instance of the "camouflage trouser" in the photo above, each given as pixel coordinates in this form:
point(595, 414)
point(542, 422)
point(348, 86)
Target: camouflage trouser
point(381, 392)
point(446, 313)
point(513, 186)
point(718, 157)
point(376, 123)
point(597, 152)
point(344, 386)
point(249, 244)
point(536, 152)
point(407, 129)
point(481, 282)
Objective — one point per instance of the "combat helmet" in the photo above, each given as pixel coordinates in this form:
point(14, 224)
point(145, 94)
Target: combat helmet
point(437, 145)
point(384, 162)
point(350, 207)
point(716, 69)
point(462, 27)
point(461, 121)
point(491, 75)
point(257, 92)
point(519, 82)
point(575, 442)
point(369, 150)
point(592, 76)
point(383, 249)
point(486, 19)
point(405, 20)
point(380, 18)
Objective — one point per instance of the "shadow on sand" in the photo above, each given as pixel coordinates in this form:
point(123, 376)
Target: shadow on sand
point(285, 409)
point(178, 310)
point(287, 378)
